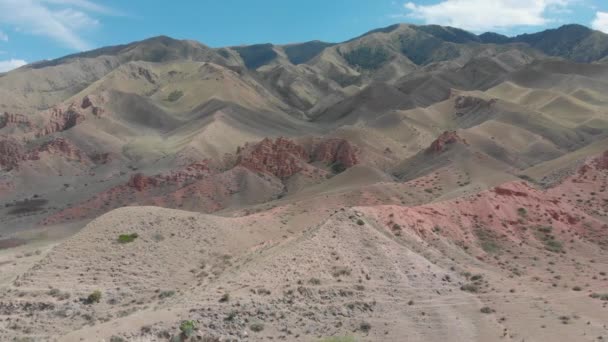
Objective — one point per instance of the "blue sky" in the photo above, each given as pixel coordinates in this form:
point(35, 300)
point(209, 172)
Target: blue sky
point(32, 30)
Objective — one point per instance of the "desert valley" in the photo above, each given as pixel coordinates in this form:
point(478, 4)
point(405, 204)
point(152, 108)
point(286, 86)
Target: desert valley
point(415, 183)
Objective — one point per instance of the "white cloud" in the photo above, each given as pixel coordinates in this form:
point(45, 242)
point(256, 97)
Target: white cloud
point(485, 15)
point(600, 22)
point(11, 64)
point(3, 37)
point(61, 20)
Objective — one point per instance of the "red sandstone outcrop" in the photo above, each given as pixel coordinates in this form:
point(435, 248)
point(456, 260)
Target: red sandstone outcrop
point(336, 151)
point(281, 157)
point(63, 147)
point(180, 177)
point(141, 182)
point(11, 153)
point(11, 119)
point(446, 138)
point(601, 162)
point(61, 120)
point(284, 158)
point(90, 101)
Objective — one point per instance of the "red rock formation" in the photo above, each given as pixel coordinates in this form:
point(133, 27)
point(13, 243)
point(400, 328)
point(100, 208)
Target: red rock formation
point(61, 120)
point(11, 153)
point(87, 102)
point(189, 173)
point(64, 147)
point(601, 162)
point(336, 151)
point(446, 138)
point(180, 177)
point(141, 182)
point(10, 119)
point(282, 157)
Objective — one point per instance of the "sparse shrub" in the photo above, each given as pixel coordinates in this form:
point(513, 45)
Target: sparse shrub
point(552, 245)
point(127, 238)
point(486, 310)
point(577, 288)
point(225, 297)
point(360, 222)
point(94, 297)
point(314, 281)
point(256, 327)
point(158, 237)
point(117, 339)
point(487, 240)
point(522, 212)
point(365, 326)
point(469, 288)
point(187, 328)
point(166, 294)
point(175, 95)
point(231, 316)
point(341, 271)
point(338, 339)
point(477, 277)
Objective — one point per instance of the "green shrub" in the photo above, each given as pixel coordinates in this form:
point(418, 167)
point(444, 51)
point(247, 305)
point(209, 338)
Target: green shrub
point(341, 271)
point(314, 281)
point(365, 326)
point(256, 327)
point(522, 212)
point(166, 294)
point(187, 328)
point(127, 238)
point(360, 222)
point(469, 288)
point(225, 297)
point(175, 95)
point(94, 297)
point(338, 339)
point(552, 245)
point(486, 310)
point(477, 277)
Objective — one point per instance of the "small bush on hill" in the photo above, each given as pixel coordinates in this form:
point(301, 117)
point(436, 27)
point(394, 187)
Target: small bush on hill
point(127, 238)
point(175, 95)
point(94, 297)
point(187, 328)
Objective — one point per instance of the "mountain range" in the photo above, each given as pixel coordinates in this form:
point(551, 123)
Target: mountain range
point(366, 190)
